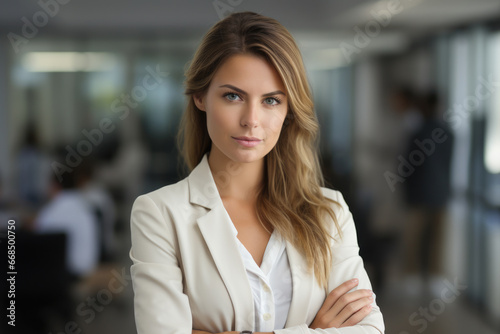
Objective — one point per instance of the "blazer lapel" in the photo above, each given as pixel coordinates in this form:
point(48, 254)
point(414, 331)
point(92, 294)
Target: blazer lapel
point(220, 240)
point(215, 227)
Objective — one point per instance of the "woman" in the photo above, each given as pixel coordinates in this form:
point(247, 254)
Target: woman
point(250, 240)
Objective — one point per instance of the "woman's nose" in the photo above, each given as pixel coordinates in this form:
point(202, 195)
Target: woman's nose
point(250, 115)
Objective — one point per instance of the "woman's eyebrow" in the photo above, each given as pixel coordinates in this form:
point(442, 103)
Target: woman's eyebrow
point(241, 91)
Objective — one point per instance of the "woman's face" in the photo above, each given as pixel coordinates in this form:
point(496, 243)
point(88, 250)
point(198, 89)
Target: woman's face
point(246, 98)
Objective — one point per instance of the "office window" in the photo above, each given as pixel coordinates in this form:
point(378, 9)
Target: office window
point(492, 145)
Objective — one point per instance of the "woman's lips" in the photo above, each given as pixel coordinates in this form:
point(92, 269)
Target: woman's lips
point(247, 142)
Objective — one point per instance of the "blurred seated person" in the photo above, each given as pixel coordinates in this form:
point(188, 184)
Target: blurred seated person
point(68, 211)
point(102, 206)
point(33, 170)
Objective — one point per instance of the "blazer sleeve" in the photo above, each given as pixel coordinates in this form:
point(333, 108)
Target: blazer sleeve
point(160, 305)
point(346, 265)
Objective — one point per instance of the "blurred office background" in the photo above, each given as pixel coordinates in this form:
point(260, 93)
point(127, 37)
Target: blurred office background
point(408, 98)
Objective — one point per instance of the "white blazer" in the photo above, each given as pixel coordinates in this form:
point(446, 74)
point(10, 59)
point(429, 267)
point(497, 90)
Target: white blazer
point(188, 274)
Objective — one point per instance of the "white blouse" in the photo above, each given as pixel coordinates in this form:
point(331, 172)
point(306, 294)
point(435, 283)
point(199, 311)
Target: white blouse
point(271, 283)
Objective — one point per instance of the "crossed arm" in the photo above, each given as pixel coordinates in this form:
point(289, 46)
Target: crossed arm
point(341, 308)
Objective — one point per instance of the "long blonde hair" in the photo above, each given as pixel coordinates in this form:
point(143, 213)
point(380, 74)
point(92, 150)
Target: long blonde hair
point(290, 200)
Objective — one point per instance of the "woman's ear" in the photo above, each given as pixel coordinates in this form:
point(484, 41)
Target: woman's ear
point(199, 101)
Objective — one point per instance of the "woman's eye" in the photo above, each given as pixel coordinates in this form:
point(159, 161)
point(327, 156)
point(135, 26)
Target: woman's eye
point(271, 101)
point(231, 96)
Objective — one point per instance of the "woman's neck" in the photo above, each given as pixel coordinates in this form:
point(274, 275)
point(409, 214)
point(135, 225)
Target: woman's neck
point(236, 180)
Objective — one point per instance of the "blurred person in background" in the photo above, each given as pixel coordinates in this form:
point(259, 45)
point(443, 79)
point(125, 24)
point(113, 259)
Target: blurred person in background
point(33, 170)
point(404, 102)
point(124, 173)
point(427, 191)
point(68, 211)
point(103, 207)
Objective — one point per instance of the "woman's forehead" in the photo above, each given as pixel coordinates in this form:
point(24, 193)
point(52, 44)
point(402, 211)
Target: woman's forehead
point(250, 73)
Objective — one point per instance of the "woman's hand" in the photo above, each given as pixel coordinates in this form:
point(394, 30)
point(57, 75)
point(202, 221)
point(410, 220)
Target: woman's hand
point(342, 309)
